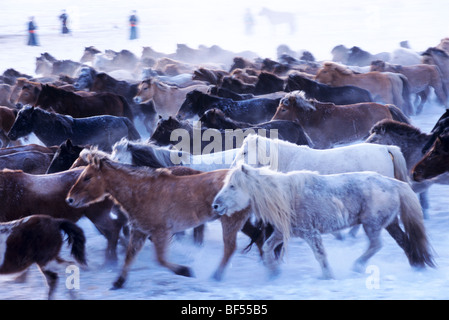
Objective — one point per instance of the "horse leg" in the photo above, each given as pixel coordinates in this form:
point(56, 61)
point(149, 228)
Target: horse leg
point(198, 235)
point(397, 234)
point(161, 239)
point(52, 280)
point(313, 238)
point(136, 242)
point(423, 98)
point(230, 226)
point(375, 244)
point(269, 257)
point(423, 199)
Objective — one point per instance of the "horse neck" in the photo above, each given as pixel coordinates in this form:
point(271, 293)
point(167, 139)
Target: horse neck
point(43, 126)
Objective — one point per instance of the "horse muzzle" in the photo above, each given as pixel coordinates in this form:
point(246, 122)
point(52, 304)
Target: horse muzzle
point(219, 208)
point(73, 203)
point(137, 99)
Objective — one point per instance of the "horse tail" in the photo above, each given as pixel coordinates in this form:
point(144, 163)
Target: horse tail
point(417, 246)
point(75, 238)
point(399, 164)
point(127, 112)
point(397, 114)
point(406, 94)
point(133, 134)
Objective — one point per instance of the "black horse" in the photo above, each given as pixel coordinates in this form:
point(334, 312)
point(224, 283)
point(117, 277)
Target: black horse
point(254, 110)
point(200, 140)
point(288, 130)
point(65, 156)
point(53, 128)
point(441, 127)
point(338, 95)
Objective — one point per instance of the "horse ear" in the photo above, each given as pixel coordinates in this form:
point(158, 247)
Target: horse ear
point(69, 143)
point(245, 169)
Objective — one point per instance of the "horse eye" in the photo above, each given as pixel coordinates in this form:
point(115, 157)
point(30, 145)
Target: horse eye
point(87, 178)
point(232, 186)
point(283, 110)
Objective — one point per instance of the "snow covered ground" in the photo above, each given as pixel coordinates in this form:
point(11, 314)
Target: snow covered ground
point(373, 25)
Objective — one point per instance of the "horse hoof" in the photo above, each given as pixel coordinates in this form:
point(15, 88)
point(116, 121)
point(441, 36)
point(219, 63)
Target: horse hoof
point(118, 284)
point(217, 276)
point(184, 271)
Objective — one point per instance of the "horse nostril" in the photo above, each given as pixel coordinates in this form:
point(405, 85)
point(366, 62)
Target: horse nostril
point(69, 200)
point(215, 206)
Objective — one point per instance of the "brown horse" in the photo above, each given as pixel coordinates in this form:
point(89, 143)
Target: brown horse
point(167, 99)
point(37, 239)
point(384, 87)
point(23, 194)
point(421, 78)
point(435, 161)
point(27, 161)
point(28, 147)
point(439, 58)
point(328, 124)
point(160, 205)
point(7, 118)
point(69, 103)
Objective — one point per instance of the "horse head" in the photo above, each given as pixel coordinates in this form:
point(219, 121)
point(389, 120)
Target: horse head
point(378, 65)
point(89, 187)
point(435, 161)
point(291, 105)
point(145, 92)
point(64, 157)
point(190, 106)
point(23, 124)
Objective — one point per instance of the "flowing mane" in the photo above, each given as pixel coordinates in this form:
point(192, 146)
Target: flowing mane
point(273, 202)
point(95, 156)
point(147, 154)
point(337, 67)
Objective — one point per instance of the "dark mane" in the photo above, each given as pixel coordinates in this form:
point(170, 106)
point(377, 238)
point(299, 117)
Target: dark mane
point(397, 127)
point(436, 51)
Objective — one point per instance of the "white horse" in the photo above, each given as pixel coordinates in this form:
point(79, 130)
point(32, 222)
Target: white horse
point(283, 156)
point(305, 204)
point(147, 154)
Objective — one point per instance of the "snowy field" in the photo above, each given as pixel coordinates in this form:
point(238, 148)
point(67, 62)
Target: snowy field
point(373, 25)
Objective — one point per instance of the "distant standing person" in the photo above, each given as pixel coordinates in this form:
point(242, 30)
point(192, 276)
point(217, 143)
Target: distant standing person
point(133, 24)
point(64, 17)
point(32, 37)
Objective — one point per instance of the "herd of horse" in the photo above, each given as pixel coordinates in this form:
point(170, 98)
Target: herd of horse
point(273, 148)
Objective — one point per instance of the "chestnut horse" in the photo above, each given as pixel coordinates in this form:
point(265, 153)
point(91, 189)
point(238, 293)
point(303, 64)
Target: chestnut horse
point(69, 103)
point(435, 161)
point(159, 206)
point(23, 194)
point(384, 87)
point(328, 124)
point(37, 239)
point(7, 118)
point(167, 99)
point(421, 78)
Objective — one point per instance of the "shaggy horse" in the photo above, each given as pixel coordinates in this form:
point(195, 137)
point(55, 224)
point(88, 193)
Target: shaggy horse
point(384, 87)
point(411, 141)
point(435, 161)
point(254, 110)
point(167, 99)
point(52, 128)
point(147, 207)
point(69, 103)
point(37, 239)
point(326, 93)
point(420, 77)
point(305, 204)
point(288, 130)
point(328, 124)
point(439, 58)
point(24, 194)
